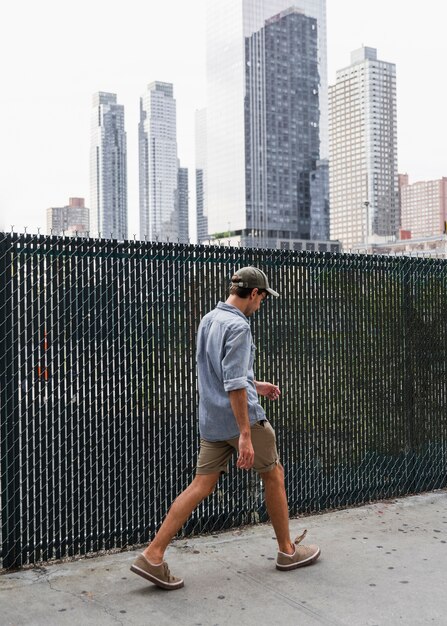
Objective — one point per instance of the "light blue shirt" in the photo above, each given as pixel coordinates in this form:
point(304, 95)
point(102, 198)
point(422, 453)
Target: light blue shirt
point(225, 356)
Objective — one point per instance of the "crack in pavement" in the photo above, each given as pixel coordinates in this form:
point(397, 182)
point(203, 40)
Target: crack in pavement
point(81, 596)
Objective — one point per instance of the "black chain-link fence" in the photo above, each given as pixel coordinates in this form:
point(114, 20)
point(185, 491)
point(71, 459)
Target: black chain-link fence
point(99, 394)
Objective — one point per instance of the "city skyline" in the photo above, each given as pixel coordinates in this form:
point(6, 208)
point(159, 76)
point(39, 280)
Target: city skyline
point(50, 151)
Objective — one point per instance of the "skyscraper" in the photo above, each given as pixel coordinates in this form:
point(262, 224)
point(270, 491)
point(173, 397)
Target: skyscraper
point(72, 219)
point(158, 166)
point(363, 178)
point(108, 168)
point(266, 119)
point(201, 208)
point(183, 204)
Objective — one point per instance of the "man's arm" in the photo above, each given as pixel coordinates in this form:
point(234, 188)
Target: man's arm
point(239, 404)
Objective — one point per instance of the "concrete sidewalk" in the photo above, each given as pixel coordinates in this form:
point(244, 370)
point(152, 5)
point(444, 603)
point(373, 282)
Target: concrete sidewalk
point(381, 564)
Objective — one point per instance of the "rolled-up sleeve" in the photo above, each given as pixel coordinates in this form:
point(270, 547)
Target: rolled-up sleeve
point(236, 359)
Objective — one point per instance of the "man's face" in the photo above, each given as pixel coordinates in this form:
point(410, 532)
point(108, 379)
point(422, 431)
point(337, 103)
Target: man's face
point(255, 299)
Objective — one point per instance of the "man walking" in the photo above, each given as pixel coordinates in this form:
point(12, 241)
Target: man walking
point(230, 419)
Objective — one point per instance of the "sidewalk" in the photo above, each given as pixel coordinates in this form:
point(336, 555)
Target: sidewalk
point(381, 564)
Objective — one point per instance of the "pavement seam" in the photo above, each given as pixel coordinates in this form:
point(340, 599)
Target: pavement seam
point(293, 603)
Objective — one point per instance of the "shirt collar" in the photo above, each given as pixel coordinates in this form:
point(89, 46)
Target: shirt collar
point(231, 309)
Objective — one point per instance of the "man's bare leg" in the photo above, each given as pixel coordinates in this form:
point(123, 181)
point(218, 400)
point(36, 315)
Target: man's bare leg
point(201, 487)
point(277, 507)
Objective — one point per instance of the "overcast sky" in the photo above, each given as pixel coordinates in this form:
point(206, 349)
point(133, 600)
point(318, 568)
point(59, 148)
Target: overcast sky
point(55, 55)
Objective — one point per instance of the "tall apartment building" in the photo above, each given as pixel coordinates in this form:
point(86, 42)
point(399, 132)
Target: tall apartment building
point(159, 219)
point(72, 219)
point(363, 178)
point(200, 150)
point(266, 159)
point(424, 207)
point(108, 168)
point(183, 204)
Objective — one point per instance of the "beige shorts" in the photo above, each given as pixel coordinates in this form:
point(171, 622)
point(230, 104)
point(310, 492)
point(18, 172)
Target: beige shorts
point(214, 455)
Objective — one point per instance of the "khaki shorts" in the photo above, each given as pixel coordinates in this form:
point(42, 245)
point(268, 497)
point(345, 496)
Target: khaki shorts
point(214, 455)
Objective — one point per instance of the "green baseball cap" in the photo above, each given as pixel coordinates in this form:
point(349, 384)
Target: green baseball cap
point(251, 278)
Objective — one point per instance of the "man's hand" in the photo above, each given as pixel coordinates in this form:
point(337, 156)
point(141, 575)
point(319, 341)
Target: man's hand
point(268, 390)
point(239, 404)
point(246, 455)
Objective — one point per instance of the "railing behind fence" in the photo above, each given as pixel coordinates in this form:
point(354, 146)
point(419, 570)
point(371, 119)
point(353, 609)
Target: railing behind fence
point(99, 395)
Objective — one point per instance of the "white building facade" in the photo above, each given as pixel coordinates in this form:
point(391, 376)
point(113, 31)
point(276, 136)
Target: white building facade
point(158, 166)
point(363, 176)
point(237, 114)
point(108, 168)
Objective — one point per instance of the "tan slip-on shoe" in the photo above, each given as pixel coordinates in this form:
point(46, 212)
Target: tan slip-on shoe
point(157, 574)
point(303, 555)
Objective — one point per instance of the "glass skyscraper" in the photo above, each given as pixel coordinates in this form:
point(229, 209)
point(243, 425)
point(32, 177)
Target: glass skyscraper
point(267, 120)
point(201, 208)
point(108, 168)
point(159, 218)
point(183, 204)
